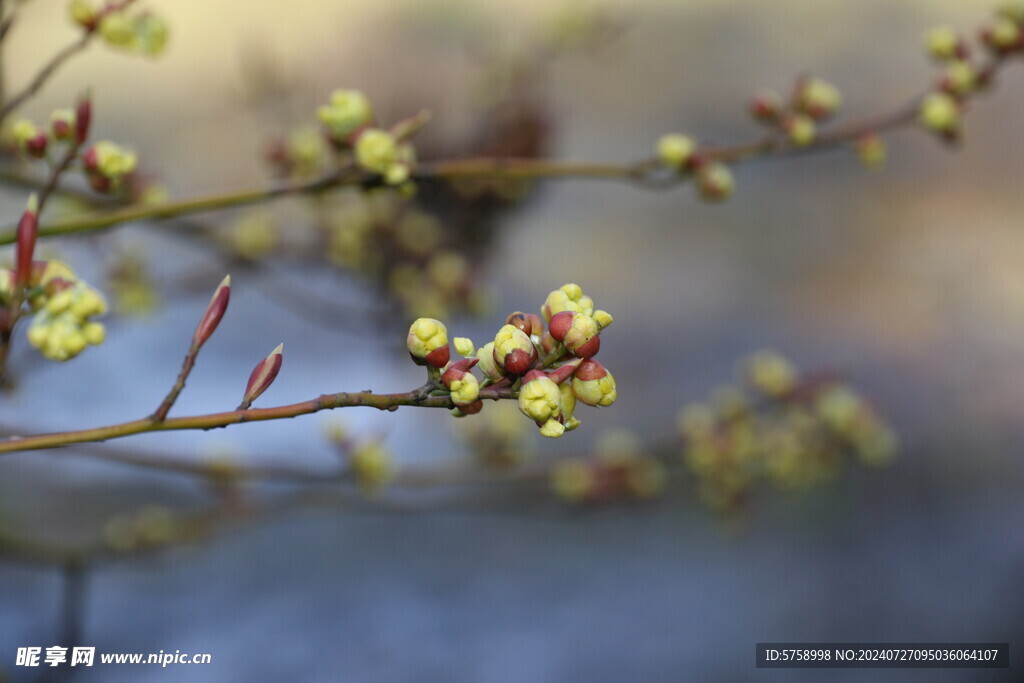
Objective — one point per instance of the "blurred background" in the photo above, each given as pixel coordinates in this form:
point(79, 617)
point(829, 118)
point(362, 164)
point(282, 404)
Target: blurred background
point(908, 283)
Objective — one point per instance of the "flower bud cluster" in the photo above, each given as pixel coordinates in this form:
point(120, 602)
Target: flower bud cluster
point(386, 240)
point(813, 101)
point(151, 527)
point(551, 369)
point(779, 427)
point(941, 111)
point(64, 308)
point(107, 164)
point(121, 28)
point(621, 471)
point(682, 155)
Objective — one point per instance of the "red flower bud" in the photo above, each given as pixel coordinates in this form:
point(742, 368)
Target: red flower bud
point(520, 321)
point(263, 375)
point(28, 229)
point(36, 147)
point(214, 312)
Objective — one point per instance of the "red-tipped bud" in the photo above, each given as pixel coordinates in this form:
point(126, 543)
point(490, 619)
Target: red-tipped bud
point(214, 312)
point(560, 324)
point(593, 384)
point(28, 229)
point(514, 352)
point(473, 408)
point(263, 375)
point(463, 385)
point(83, 118)
point(36, 146)
point(427, 342)
point(766, 105)
point(581, 337)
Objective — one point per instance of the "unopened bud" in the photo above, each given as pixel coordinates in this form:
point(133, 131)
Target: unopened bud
point(514, 351)
point(427, 342)
point(871, 150)
point(62, 124)
point(800, 129)
point(940, 112)
point(464, 346)
point(490, 368)
point(28, 229)
point(462, 383)
point(766, 105)
point(818, 98)
point(263, 375)
point(715, 182)
point(540, 400)
point(943, 43)
point(675, 150)
point(214, 312)
point(593, 384)
point(83, 118)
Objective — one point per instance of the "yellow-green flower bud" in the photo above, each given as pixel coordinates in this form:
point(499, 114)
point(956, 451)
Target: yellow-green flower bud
point(939, 112)
point(943, 43)
point(150, 34)
point(568, 297)
point(572, 480)
point(82, 13)
point(593, 384)
point(818, 98)
point(715, 182)
point(540, 399)
point(372, 466)
point(487, 364)
point(117, 30)
point(464, 347)
point(603, 319)
point(428, 342)
point(871, 151)
point(675, 150)
point(348, 111)
point(960, 78)
point(552, 429)
point(1003, 34)
point(801, 130)
point(771, 374)
point(376, 150)
point(110, 160)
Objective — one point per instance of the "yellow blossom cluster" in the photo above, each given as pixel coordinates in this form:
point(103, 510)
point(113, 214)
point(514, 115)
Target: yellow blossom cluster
point(777, 426)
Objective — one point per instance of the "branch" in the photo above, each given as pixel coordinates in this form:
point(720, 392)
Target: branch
point(390, 402)
point(644, 173)
point(45, 73)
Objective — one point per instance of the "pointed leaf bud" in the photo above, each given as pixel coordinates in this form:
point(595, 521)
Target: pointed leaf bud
point(263, 375)
point(564, 372)
point(28, 229)
point(593, 384)
point(214, 312)
point(514, 351)
point(427, 342)
point(83, 118)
